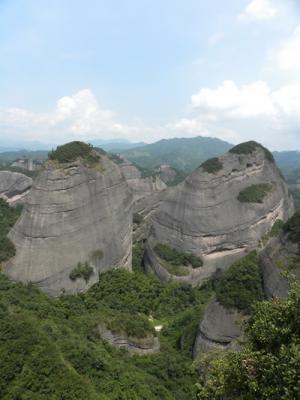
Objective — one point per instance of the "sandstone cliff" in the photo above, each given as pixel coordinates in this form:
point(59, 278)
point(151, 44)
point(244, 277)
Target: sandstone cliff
point(14, 186)
point(215, 212)
point(75, 213)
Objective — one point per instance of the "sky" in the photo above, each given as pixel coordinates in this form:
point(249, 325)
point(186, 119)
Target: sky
point(150, 69)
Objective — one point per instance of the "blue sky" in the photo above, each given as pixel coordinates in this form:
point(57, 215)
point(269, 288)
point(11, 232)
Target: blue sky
point(144, 70)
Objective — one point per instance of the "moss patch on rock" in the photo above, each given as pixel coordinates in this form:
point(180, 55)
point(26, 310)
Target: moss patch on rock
point(212, 166)
point(254, 193)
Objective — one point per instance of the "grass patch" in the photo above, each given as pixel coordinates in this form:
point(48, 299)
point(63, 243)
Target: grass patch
point(254, 193)
point(177, 258)
point(212, 166)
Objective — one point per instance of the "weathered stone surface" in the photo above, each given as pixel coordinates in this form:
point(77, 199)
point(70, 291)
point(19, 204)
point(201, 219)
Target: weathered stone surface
point(202, 215)
point(73, 214)
point(279, 257)
point(14, 186)
point(147, 193)
point(167, 174)
point(219, 329)
point(141, 347)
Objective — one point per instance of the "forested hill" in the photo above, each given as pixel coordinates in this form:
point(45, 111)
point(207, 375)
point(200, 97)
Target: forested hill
point(184, 154)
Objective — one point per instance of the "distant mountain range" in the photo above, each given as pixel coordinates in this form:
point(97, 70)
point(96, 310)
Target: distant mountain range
point(184, 154)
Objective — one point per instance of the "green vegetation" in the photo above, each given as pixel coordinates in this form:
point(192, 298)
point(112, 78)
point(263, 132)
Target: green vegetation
point(82, 270)
point(296, 196)
point(241, 285)
point(184, 154)
point(250, 147)
point(51, 349)
point(8, 217)
point(176, 257)
point(72, 151)
point(212, 166)
point(139, 327)
point(138, 250)
point(292, 227)
point(268, 367)
point(254, 193)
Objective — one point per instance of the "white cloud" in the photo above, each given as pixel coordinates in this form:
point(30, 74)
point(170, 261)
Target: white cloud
point(258, 10)
point(75, 117)
point(252, 111)
point(288, 55)
point(216, 38)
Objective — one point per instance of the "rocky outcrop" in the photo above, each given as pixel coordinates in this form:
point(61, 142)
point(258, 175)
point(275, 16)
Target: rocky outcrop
point(279, 259)
point(14, 186)
point(147, 192)
point(74, 213)
point(219, 329)
point(204, 214)
point(144, 346)
point(167, 174)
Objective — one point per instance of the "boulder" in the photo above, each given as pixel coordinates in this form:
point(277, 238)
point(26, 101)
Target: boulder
point(219, 329)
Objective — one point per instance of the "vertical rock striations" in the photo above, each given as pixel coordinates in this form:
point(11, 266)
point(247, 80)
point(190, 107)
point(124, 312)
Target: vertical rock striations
point(77, 212)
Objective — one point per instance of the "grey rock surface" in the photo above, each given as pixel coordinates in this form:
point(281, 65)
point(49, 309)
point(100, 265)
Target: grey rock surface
point(143, 346)
point(219, 329)
point(279, 257)
point(73, 214)
point(14, 186)
point(202, 215)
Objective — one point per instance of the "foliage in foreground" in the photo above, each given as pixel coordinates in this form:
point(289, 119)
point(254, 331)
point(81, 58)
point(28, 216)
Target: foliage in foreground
point(176, 257)
point(241, 285)
point(254, 193)
point(51, 349)
point(8, 217)
point(268, 368)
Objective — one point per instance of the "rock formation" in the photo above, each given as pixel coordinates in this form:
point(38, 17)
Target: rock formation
point(219, 329)
point(76, 223)
point(221, 210)
point(147, 192)
point(279, 261)
point(14, 186)
point(147, 345)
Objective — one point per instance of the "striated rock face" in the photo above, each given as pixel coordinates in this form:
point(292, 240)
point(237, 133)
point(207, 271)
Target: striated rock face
point(73, 214)
point(141, 347)
point(279, 257)
point(147, 193)
point(14, 186)
point(219, 329)
point(204, 216)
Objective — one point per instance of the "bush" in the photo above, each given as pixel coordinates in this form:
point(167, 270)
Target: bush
point(212, 166)
point(84, 271)
point(176, 257)
point(254, 193)
point(8, 217)
point(241, 285)
point(138, 327)
point(72, 151)
point(268, 365)
point(250, 147)
point(292, 227)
